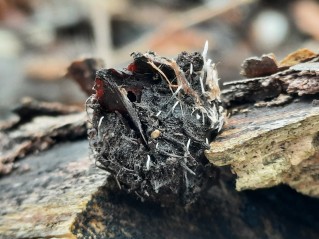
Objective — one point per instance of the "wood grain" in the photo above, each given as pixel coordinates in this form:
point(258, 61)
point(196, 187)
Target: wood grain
point(269, 146)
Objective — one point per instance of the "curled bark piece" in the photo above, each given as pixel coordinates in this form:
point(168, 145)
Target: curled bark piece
point(299, 79)
point(296, 57)
point(256, 67)
point(30, 108)
point(39, 126)
point(83, 73)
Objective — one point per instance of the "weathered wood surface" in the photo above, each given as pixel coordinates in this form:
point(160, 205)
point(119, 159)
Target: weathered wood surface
point(60, 197)
point(63, 195)
point(35, 128)
point(269, 146)
point(43, 201)
point(300, 79)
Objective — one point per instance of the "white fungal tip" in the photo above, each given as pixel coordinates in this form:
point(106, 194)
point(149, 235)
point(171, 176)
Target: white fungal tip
point(205, 50)
point(159, 112)
point(201, 84)
point(197, 116)
point(100, 122)
point(191, 69)
point(188, 144)
point(156, 146)
point(148, 162)
point(181, 109)
point(207, 142)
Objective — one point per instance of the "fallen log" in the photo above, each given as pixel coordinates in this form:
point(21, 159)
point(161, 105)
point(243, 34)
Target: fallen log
point(60, 193)
point(64, 195)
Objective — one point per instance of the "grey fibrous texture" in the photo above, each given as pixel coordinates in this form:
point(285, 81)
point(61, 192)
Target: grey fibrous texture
point(152, 122)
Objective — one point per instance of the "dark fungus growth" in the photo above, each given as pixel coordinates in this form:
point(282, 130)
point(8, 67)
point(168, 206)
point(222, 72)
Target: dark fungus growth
point(152, 123)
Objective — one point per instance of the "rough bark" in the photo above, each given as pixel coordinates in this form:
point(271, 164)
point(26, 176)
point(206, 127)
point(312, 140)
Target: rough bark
point(269, 146)
point(43, 201)
point(36, 127)
point(298, 80)
point(66, 197)
point(61, 194)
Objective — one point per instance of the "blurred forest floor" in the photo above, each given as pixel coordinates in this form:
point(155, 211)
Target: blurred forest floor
point(39, 39)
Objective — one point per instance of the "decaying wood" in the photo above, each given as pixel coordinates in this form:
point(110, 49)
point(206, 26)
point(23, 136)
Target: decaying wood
point(62, 194)
point(300, 79)
point(43, 201)
point(31, 108)
point(39, 125)
point(255, 67)
point(269, 146)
